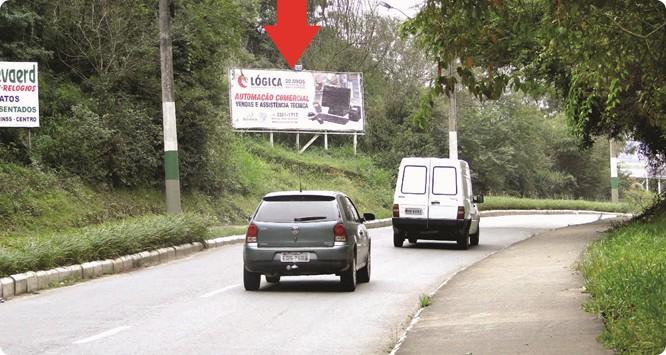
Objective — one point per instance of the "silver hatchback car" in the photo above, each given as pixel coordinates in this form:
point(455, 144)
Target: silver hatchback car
point(307, 233)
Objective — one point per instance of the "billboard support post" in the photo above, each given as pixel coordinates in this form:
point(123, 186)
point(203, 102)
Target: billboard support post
point(29, 139)
point(326, 141)
point(272, 141)
point(308, 144)
point(298, 141)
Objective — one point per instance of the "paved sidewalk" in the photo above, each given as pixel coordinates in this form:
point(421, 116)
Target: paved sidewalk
point(523, 300)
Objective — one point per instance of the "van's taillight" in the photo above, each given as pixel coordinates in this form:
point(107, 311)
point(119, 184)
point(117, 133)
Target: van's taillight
point(396, 210)
point(340, 233)
point(461, 212)
point(251, 235)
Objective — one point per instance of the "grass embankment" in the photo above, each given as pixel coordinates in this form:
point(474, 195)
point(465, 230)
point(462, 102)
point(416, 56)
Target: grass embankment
point(106, 241)
point(625, 273)
point(47, 220)
point(517, 203)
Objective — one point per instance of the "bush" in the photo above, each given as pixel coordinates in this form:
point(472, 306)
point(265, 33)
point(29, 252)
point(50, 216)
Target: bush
point(626, 275)
point(101, 242)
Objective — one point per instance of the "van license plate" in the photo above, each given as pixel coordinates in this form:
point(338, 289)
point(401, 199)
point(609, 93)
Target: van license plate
point(295, 257)
point(414, 211)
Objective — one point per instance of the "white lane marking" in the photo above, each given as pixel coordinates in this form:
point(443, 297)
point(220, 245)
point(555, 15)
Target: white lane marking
point(108, 333)
point(213, 293)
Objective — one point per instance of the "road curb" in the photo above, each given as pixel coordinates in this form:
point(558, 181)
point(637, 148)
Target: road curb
point(32, 282)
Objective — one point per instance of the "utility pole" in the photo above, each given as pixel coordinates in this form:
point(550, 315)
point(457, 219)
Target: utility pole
point(453, 116)
point(171, 169)
point(615, 182)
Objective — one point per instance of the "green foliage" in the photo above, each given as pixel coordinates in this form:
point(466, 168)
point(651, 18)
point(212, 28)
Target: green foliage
point(603, 58)
point(424, 301)
point(626, 275)
point(101, 242)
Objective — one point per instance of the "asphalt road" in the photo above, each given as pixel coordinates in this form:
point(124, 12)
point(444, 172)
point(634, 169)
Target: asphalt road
point(198, 305)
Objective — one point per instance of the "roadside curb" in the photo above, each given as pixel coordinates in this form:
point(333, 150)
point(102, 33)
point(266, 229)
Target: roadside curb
point(31, 282)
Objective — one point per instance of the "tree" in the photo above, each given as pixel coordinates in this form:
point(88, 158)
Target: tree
point(603, 58)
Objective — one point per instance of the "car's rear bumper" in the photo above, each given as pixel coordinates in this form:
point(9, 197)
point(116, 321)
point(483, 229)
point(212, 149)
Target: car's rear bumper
point(432, 229)
point(329, 260)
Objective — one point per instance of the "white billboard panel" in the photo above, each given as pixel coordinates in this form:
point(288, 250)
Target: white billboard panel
point(276, 100)
point(19, 94)
point(634, 164)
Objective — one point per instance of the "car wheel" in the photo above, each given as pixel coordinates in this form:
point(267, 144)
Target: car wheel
point(348, 277)
point(273, 279)
point(474, 238)
point(398, 239)
point(251, 280)
point(463, 239)
point(363, 275)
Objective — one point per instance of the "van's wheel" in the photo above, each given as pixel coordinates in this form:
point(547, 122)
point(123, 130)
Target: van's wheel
point(251, 280)
point(363, 275)
point(348, 277)
point(273, 279)
point(463, 242)
point(474, 238)
point(398, 239)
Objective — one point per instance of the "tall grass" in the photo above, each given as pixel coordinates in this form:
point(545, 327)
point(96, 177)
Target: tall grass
point(106, 241)
point(625, 273)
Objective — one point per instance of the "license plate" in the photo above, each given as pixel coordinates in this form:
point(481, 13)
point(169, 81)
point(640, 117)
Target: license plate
point(414, 211)
point(295, 257)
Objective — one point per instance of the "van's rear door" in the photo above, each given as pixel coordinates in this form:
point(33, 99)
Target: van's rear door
point(445, 190)
point(412, 188)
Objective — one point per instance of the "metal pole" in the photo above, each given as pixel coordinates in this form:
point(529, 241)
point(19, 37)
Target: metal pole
point(272, 141)
point(29, 139)
point(453, 118)
point(171, 169)
point(615, 182)
point(298, 141)
point(326, 141)
point(659, 186)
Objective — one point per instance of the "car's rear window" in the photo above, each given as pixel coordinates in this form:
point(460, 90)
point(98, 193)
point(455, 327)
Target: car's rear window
point(444, 181)
point(298, 209)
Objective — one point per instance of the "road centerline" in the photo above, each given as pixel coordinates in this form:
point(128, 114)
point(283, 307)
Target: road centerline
point(99, 336)
point(216, 292)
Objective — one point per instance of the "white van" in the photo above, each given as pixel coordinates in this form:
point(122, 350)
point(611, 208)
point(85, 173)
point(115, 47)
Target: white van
point(433, 200)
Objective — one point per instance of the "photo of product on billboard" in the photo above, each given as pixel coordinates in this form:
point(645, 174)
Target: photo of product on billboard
point(283, 100)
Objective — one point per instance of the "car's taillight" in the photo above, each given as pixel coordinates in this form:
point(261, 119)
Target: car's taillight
point(396, 210)
point(340, 233)
point(461, 212)
point(251, 235)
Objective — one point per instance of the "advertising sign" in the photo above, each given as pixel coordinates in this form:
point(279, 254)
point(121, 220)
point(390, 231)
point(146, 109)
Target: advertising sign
point(19, 94)
point(276, 100)
point(632, 163)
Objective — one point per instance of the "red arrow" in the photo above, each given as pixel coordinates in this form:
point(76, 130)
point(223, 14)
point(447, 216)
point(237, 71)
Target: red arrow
point(292, 34)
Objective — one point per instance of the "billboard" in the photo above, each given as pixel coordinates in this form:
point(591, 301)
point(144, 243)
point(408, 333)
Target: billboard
point(634, 164)
point(275, 100)
point(19, 94)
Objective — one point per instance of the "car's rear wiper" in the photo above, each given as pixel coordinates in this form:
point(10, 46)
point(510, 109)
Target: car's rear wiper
point(305, 219)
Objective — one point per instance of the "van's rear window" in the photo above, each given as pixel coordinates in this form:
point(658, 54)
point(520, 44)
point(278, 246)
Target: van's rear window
point(282, 210)
point(444, 180)
point(414, 180)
